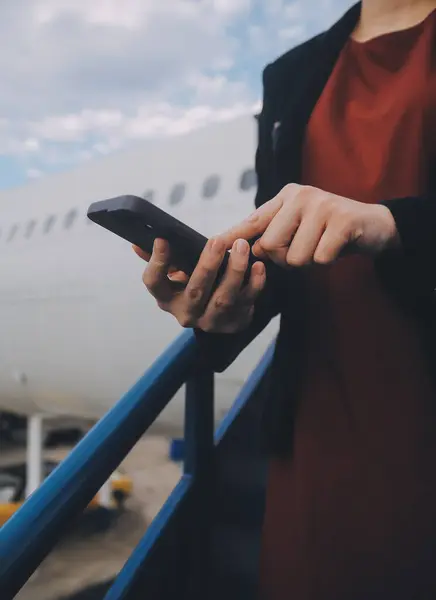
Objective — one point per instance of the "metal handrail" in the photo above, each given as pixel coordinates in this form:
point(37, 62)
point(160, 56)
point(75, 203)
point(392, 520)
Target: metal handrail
point(141, 558)
point(30, 534)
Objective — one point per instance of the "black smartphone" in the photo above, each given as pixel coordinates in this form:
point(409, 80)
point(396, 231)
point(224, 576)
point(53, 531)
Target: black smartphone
point(140, 222)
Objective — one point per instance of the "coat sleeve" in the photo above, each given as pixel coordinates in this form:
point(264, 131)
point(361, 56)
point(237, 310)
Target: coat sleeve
point(411, 271)
point(220, 350)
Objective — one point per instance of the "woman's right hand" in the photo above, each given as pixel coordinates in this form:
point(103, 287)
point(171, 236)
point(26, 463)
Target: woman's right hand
point(192, 300)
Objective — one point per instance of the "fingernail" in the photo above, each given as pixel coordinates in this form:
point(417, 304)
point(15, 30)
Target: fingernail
point(256, 249)
point(241, 246)
point(260, 268)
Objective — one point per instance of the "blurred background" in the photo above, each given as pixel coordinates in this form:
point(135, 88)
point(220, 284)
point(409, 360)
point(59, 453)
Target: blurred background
point(99, 98)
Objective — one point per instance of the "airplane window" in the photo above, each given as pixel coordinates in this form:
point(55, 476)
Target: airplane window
point(30, 227)
point(12, 232)
point(149, 195)
point(177, 193)
point(248, 180)
point(48, 225)
point(70, 218)
point(210, 186)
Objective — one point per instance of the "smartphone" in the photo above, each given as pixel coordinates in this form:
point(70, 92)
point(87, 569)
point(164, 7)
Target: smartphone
point(140, 222)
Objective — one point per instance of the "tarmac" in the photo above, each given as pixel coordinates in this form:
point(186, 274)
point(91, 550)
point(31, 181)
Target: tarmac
point(84, 563)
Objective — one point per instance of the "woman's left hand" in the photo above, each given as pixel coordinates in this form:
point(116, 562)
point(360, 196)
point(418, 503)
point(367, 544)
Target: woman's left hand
point(303, 224)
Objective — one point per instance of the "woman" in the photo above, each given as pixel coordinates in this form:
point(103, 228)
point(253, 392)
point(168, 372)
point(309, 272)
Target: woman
point(346, 209)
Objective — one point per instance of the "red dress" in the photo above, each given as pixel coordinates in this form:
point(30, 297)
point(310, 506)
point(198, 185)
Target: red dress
point(352, 516)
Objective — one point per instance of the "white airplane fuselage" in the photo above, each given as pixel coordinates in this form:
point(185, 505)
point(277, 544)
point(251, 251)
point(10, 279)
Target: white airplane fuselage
point(77, 326)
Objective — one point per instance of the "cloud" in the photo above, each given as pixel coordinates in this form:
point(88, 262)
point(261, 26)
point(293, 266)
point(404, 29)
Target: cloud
point(34, 173)
point(82, 78)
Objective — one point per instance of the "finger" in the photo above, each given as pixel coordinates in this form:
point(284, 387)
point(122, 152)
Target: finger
point(333, 241)
point(305, 242)
point(156, 274)
point(141, 253)
point(240, 312)
point(146, 256)
point(275, 242)
point(200, 284)
point(255, 284)
point(255, 224)
point(227, 292)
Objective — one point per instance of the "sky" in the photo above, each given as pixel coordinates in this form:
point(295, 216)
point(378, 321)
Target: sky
point(84, 78)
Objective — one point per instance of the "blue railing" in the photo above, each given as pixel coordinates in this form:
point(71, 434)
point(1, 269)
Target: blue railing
point(173, 556)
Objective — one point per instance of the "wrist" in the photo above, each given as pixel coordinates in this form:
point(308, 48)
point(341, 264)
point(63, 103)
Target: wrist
point(391, 235)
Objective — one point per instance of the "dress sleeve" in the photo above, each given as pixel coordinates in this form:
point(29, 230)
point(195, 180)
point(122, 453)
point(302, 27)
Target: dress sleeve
point(411, 270)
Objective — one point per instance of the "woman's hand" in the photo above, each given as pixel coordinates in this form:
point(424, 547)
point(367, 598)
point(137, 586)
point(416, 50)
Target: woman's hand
point(192, 300)
point(303, 224)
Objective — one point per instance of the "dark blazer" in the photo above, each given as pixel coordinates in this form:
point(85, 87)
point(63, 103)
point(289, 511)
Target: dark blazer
point(292, 85)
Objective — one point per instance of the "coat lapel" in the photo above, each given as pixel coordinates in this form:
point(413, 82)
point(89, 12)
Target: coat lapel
point(302, 90)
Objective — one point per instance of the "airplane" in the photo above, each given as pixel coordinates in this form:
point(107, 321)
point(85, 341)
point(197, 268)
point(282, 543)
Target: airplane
point(77, 326)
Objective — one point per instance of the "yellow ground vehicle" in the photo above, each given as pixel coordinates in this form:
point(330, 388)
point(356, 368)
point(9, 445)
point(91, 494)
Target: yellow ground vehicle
point(13, 486)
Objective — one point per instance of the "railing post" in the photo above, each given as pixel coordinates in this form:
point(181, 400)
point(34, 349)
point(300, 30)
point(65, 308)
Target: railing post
point(199, 464)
